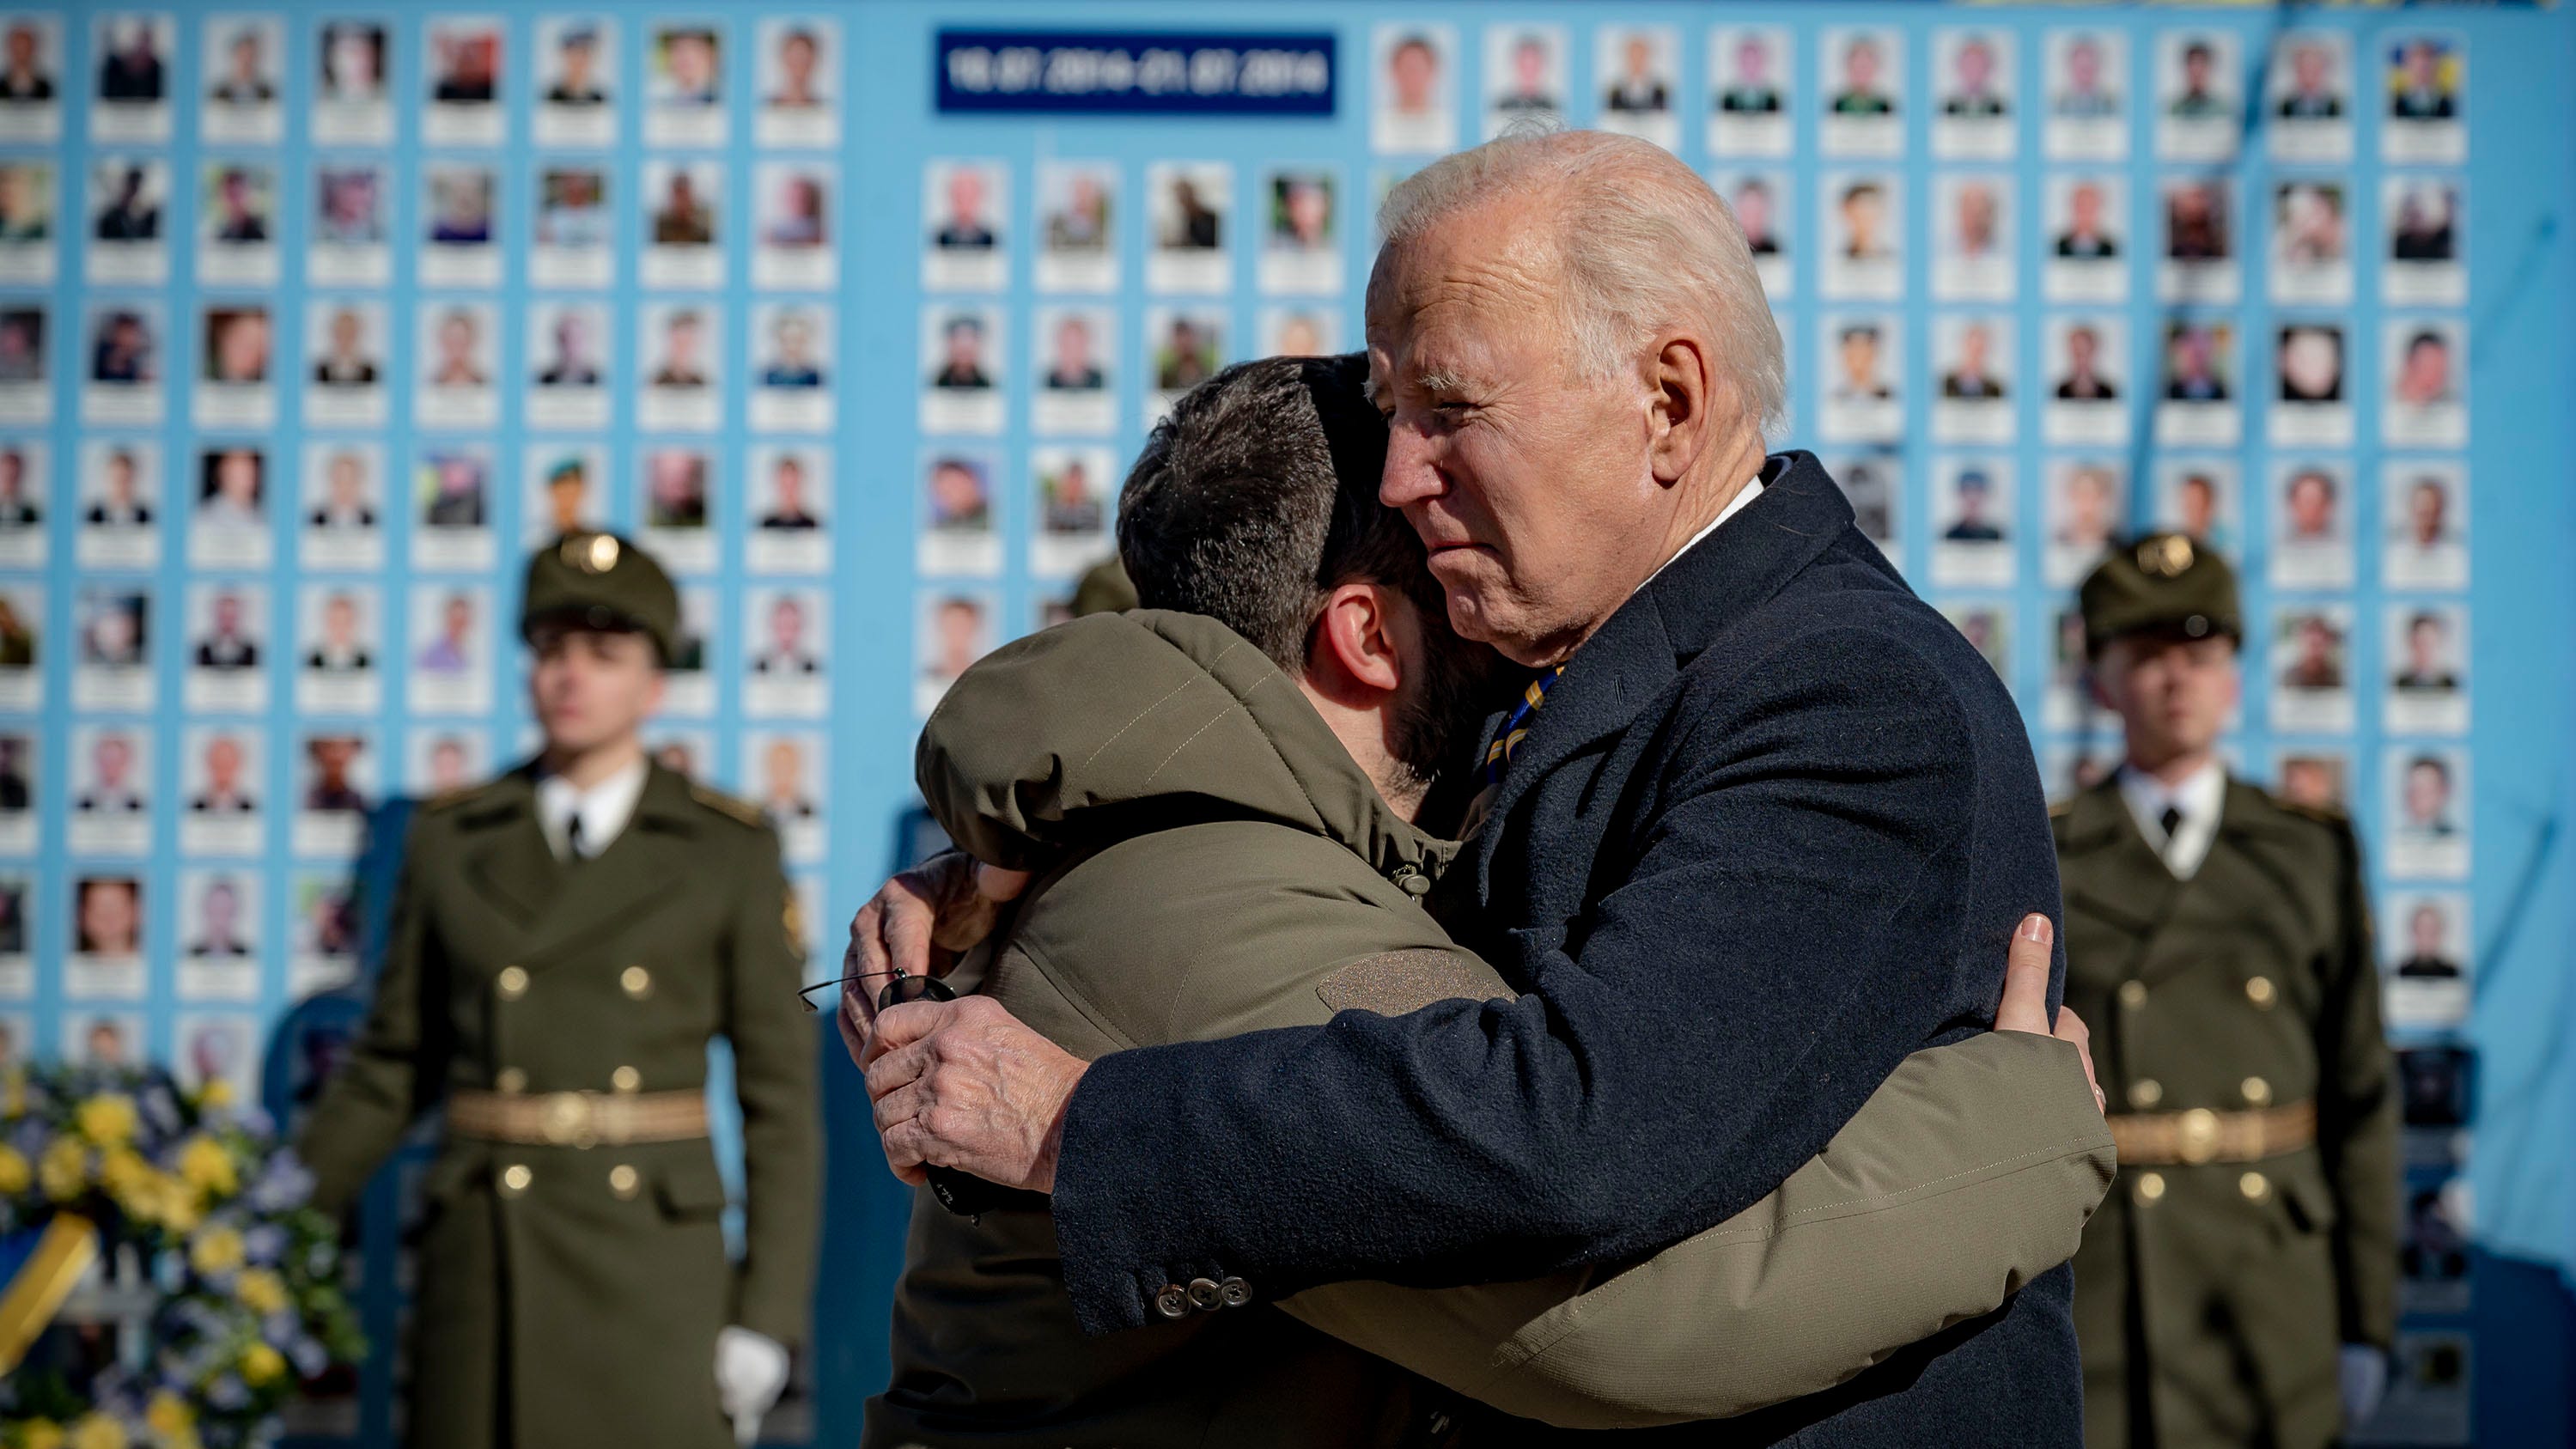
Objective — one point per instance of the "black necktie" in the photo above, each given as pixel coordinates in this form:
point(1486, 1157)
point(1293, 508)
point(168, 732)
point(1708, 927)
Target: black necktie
point(573, 845)
point(2171, 820)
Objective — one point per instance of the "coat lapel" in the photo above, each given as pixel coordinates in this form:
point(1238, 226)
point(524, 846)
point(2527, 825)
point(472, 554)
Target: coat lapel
point(1680, 612)
point(628, 880)
point(509, 864)
point(2101, 844)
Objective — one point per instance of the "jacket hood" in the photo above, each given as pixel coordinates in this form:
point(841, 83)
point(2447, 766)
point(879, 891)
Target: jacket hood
point(1115, 724)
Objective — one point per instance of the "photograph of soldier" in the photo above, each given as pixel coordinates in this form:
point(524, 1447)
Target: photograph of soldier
point(796, 73)
point(2308, 224)
point(1860, 87)
point(348, 501)
point(683, 215)
point(959, 496)
point(349, 205)
point(17, 772)
point(572, 208)
point(115, 628)
point(2424, 371)
point(675, 489)
point(961, 363)
point(107, 916)
point(791, 216)
point(2089, 506)
point(230, 642)
point(2430, 662)
point(956, 629)
point(1971, 375)
point(1076, 209)
point(572, 349)
point(2310, 512)
point(2199, 92)
point(226, 787)
point(220, 931)
point(1971, 91)
point(789, 506)
point(2425, 799)
point(575, 72)
point(232, 488)
point(2311, 363)
point(132, 68)
point(353, 59)
point(19, 508)
point(1072, 355)
point(1757, 212)
point(1416, 80)
point(685, 70)
point(240, 204)
point(2423, 224)
point(464, 63)
point(2085, 378)
point(2312, 649)
point(348, 357)
point(2423, 80)
point(1529, 81)
point(110, 785)
point(2427, 950)
point(460, 206)
point(26, 203)
point(331, 774)
point(792, 361)
point(1972, 509)
point(2309, 81)
point(128, 195)
point(453, 483)
point(26, 63)
point(239, 346)
point(1861, 375)
point(1186, 354)
point(1640, 89)
point(681, 358)
point(787, 649)
point(458, 350)
point(2238, 1286)
point(2086, 235)
point(2315, 781)
point(567, 940)
point(339, 644)
point(1748, 88)
point(2196, 222)
point(1861, 211)
point(2196, 357)
point(2083, 88)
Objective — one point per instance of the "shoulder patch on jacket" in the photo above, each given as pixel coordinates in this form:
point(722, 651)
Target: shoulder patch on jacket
point(1392, 983)
point(724, 804)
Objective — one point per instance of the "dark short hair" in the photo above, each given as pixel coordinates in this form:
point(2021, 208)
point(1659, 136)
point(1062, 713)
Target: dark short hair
point(1257, 495)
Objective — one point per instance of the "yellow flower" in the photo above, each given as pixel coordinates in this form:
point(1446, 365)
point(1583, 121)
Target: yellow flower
point(40, 1434)
point(107, 1119)
point(124, 1173)
point(13, 1095)
point(169, 1416)
point(14, 1172)
point(97, 1431)
point(64, 1169)
point(217, 1092)
point(208, 1167)
point(261, 1364)
point(260, 1291)
point(215, 1250)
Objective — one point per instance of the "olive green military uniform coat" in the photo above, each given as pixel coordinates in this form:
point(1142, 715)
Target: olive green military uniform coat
point(2211, 1300)
point(1215, 863)
point(581, 1307)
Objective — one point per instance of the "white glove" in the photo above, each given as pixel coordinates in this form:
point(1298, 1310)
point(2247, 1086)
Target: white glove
point(2365, 1380)
point(751, 1372)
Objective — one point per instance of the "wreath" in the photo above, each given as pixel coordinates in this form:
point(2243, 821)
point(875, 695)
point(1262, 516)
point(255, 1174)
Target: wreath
point(221, 1296)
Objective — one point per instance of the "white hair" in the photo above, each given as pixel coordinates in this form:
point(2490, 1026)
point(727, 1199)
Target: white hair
point(1642, 241)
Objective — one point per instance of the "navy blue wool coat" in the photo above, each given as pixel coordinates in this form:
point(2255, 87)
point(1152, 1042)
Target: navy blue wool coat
point(1771, 833)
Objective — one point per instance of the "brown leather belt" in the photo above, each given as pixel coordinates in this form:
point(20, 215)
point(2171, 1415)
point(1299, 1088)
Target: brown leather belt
point(579, 1119)
point(2187, 1139)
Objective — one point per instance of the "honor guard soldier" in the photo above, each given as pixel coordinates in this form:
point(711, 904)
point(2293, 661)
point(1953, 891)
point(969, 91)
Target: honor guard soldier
point(565, 941)
point(2238, 1286)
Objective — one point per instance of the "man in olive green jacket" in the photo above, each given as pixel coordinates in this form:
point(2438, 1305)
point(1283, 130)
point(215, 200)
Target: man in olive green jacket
point(1165, 775)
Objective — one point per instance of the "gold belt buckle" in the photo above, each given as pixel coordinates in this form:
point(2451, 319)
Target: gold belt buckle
point(571, 1120)
point(2196, 1138)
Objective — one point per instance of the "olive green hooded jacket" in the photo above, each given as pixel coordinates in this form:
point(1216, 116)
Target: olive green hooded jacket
point(1212, 861)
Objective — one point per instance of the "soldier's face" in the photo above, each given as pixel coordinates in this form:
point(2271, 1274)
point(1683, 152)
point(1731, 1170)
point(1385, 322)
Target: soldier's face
point(2174, 694)
point(592, 687)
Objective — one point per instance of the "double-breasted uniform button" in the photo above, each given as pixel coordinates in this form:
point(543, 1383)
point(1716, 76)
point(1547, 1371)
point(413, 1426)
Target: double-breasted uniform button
point(1205, 1295)
point(1173, 1301)
point(509, 1081)
point(626, 1079)
point(2146, 1092)
point(2257, 1091)
point(636, 982)
point(512, 983)
point(2133, 994)
point(2255, 1186)
point(1235, 1292)
point(2260, 991)
point(624, 1181)
point(515, 1179)
point(2151, 1185)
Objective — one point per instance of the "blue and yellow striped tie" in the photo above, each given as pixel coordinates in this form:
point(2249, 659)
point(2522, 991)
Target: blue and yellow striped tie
point(1516, 724)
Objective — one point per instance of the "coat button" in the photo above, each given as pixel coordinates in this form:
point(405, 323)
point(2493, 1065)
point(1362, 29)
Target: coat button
point(2255, 1186)
point(1235, 1292)
point(2133, 994)
point(1411, 881)
point(2257, 1091)
point(626, 1079)
point(1173, 1301)
point(510, 1081)
point(515, 1179)
point(2259, 990)
point(1205, 1295)
point(2151, 1185)
point(2146, 1092)
point(636, 982)
point(513, 982)
point(623, 1181)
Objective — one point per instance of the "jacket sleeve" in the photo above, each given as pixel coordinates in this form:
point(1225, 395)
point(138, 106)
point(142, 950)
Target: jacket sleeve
point(2357, 1118)
point(1970, 1171)
point(398, 1066)
point(1665, 1073)
point(774, 1069)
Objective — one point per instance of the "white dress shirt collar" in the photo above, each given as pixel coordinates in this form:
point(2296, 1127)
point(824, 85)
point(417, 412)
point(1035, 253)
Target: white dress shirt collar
point(2201, 796)
point(604, 808)
point(1734, 506)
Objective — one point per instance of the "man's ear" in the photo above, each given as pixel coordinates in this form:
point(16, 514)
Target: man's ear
point(1355, 642)
point(1682, 386)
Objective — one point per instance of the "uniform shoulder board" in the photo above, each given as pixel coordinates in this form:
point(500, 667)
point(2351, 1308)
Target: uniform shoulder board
point(2325, 815)
point(454, 796)
point(724, 804)
point(2060, 809)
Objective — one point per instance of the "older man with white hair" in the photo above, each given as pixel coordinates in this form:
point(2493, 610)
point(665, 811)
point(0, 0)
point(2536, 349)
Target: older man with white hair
point(1759, 826)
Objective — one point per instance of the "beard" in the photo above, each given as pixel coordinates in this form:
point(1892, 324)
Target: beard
point(1441, 719)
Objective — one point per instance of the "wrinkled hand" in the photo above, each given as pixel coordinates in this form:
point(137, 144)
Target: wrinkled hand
point(2025, 1005)
point(751, 1372)
point(919, 923)
point(964, 1084)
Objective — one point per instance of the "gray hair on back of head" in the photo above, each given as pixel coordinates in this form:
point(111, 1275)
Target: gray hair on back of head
point(1644, 244)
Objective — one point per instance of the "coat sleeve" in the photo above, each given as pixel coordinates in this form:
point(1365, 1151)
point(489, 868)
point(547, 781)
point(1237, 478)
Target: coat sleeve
point(1761, 963)
point(2357, 1117)
point(774, 1049)
point(1970, 1171)
point(398, 1066)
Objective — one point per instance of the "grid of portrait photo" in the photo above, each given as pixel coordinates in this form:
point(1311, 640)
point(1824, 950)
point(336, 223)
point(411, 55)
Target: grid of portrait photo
point(315, 326)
